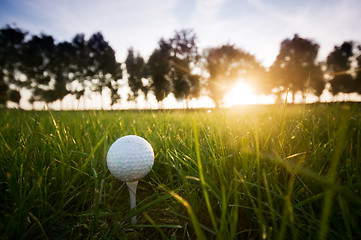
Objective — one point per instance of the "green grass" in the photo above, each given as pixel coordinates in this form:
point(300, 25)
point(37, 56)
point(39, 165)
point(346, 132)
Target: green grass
point(272, 172)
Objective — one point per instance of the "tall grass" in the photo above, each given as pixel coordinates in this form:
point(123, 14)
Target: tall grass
point(249, 173)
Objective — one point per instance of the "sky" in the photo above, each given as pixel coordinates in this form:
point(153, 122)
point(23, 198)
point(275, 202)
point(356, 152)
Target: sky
point(256, 26)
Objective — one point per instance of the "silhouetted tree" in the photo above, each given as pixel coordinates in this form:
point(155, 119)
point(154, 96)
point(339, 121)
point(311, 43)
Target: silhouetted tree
point(225, 66)
point(170, 67)
point(296, 69)
point(135, 66)
point(80, 65)
point(183, 57)
point(46, 69)
point(89, 64)
point(3, 91)
point(107, 69)
point(316, 81)
point(14, 96)
point(358, 70)
point(11, 47)
point(97, 66)
point(341, 63)
point(158, 68)
point(60, 69)
point(54, 70)
point(63, 69)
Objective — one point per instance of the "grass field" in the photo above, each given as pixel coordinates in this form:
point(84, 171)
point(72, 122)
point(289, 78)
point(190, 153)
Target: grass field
point(276, 172)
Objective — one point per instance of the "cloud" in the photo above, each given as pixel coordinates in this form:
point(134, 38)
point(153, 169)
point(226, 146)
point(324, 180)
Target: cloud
point(207, 21)
point(327, 22)
point(123, 23)
point(257, 26)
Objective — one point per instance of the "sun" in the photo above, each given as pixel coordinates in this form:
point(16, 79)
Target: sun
point(240, 94)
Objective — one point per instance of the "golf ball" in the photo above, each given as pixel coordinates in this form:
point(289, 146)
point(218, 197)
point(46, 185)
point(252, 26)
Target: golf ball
point(130, 158)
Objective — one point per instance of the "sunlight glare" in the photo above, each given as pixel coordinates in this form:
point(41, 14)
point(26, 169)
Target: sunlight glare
point(240, 94)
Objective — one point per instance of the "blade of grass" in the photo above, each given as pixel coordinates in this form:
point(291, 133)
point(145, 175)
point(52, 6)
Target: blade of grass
point(288, 214)
point(258, 166)
point(331, 178)
point(270, 202)
point(192, 215)
point(255, 208)
point(201, 176)
point(39, 223)
point(145, 214)
point(346, 216)
point(188, 219)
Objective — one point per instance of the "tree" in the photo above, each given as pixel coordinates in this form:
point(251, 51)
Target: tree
point(316, 81)
point(107, 69)
point(56, 69)
point(63, 69)
point(340, 68)
point(183, 57)
point(60, 69)
point(52, 70)
point(46, 69)
point(225, 66)
point(11, 47)
point(170, 67)
point(80, 63)
point(358, 70)
point(103, 69)
point(158, 67)
point(135, 66)
point(94, 67)
point(296, 69)
point(3, 91)
point(15, 96)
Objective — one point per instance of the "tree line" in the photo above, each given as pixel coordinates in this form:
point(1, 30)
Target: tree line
point(51, 70)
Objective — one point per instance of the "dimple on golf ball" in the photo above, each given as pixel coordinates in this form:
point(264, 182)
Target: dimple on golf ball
point(130, 158)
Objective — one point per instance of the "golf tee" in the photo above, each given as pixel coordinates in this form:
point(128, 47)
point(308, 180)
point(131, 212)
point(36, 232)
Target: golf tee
point(132, 186)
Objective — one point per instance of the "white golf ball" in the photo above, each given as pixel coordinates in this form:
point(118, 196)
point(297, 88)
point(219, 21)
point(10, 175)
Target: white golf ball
point(130, 158)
